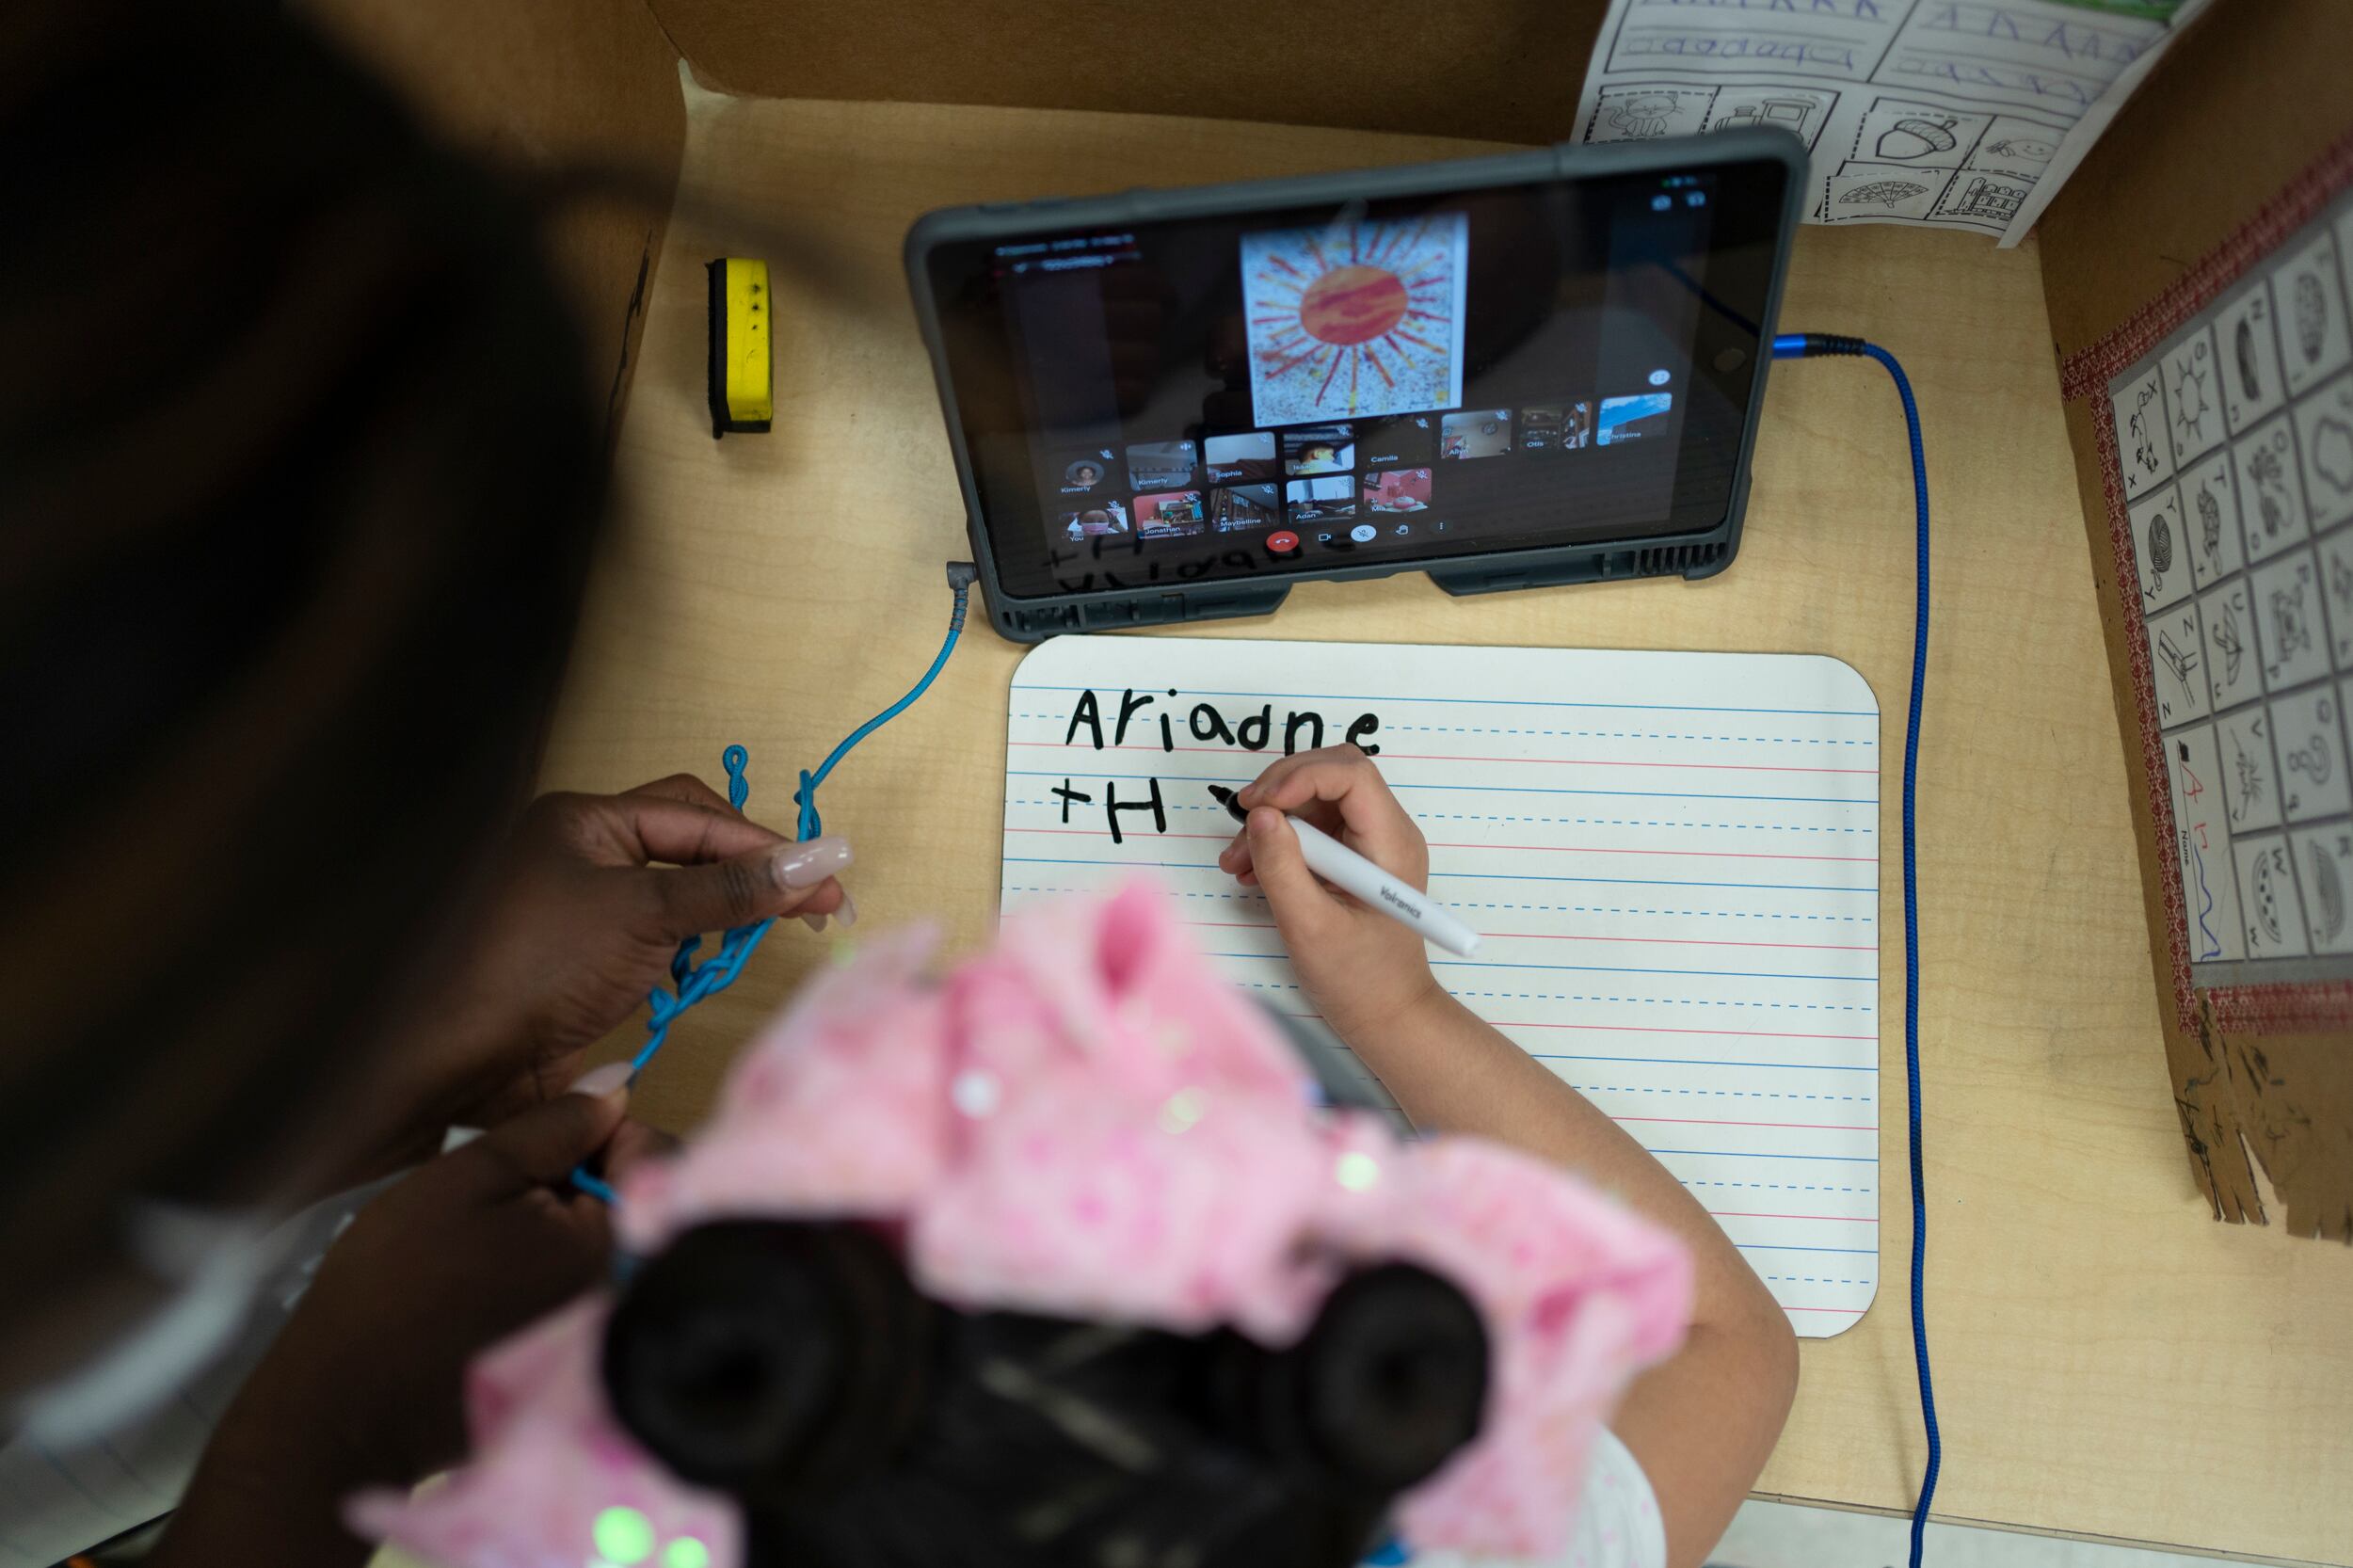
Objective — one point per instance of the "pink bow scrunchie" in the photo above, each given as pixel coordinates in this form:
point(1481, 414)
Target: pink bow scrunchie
point(1085, 1121)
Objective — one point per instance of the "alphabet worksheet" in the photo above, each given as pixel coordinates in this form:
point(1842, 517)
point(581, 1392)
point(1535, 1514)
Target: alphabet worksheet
point(1956, 114)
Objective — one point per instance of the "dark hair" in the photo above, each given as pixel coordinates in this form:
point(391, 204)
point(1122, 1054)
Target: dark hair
point(299, 471)
point(863, 1425)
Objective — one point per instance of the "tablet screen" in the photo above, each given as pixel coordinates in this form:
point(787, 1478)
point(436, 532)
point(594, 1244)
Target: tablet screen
point(1405, 380)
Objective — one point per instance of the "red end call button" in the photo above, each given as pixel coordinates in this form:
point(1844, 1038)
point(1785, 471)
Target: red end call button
point(1282, 542)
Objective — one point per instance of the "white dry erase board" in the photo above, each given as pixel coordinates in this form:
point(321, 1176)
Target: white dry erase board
point(1673, 857)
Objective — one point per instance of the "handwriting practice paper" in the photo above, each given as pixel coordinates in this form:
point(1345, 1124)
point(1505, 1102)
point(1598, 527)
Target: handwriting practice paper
point(1673, 860)
point(1964, 113)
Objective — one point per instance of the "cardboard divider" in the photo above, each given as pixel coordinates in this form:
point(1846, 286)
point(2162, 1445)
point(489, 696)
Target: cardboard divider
point(1497, 70)
point(2241, 132)
point(563, 89)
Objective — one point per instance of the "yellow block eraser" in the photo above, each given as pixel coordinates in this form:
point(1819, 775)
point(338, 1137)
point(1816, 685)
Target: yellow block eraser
point(743, 394)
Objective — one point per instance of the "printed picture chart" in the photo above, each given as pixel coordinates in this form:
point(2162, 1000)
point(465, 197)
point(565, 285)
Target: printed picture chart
point(1672, 859)
point(2235, 453)
point(1965, 114)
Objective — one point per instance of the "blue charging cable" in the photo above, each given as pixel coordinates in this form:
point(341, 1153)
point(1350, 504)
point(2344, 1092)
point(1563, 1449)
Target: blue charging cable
point(695, 982)
point(960, 578)
point(1800, 345)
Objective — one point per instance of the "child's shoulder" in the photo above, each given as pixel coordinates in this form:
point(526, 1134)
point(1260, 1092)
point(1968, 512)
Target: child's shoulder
point(1618, 1524)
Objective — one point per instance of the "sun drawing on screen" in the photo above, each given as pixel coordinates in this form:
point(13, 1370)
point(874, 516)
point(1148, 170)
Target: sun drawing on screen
point(1362, 318)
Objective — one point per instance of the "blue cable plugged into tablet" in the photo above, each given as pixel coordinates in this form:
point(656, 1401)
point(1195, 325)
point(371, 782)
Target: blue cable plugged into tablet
point(1800, 345)
point(961, 576)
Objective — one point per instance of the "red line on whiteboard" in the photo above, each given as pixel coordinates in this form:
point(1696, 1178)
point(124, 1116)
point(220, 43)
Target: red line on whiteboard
point(1105, 832)
point(1559, 849)
point(1845, 1219)
point(1683, 941)
point(1693, 854)
point(1564, 936)
point(1447, 757)
point(1653, 1028)
point(1594, 762)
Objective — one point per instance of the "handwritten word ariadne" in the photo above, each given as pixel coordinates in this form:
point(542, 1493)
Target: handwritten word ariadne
point(1206, 722)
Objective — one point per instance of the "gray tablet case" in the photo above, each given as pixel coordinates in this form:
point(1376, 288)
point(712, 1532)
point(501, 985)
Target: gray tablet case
point(1700, 554)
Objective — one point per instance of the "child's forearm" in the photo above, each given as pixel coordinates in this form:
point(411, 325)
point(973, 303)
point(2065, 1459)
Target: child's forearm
point(1703, 1422)
point(1452, 1072)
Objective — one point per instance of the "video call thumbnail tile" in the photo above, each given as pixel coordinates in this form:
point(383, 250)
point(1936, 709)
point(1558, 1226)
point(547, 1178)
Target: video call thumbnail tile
point(1397, 489)
point(1555, 427)
point(1626, 419)
point(1159, 465)
point(1369, 310)
point(1170, 515)
point(1319, 499)
point(1402, 442)
point(1250, 456)
point(1084, 471)
point(1486, 433)
point(1239, 507)
point(1320, 449)
point(1105, 517)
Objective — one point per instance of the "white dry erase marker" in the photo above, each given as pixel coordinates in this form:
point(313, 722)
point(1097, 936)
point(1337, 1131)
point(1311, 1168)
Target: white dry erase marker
point(1345, 868)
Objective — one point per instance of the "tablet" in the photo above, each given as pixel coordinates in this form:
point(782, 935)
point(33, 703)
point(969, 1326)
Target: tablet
point(1505, 372)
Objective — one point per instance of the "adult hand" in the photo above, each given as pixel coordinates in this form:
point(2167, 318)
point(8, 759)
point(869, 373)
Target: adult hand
point(364, 1384)
point(590, 901)
point(1357, 965)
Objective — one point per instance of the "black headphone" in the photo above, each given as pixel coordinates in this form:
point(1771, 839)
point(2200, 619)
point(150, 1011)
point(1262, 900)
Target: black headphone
point(861, 1424)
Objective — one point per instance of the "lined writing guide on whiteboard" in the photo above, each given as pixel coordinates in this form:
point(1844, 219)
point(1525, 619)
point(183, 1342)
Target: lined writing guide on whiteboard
point(1672, 859)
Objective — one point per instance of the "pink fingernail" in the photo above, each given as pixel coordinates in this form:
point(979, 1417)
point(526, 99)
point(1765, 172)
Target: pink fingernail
point(815, 922)
point(847, 913)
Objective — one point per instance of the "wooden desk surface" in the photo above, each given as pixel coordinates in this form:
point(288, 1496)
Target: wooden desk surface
point(2108, 1361)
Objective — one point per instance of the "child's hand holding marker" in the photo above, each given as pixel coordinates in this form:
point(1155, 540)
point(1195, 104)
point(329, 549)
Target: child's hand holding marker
point(1701, 1424)
point(1359, 964)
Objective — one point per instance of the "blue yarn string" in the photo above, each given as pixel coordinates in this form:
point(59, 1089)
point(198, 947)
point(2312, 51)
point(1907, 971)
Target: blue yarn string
point(1797, 345)
point(692, 983)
